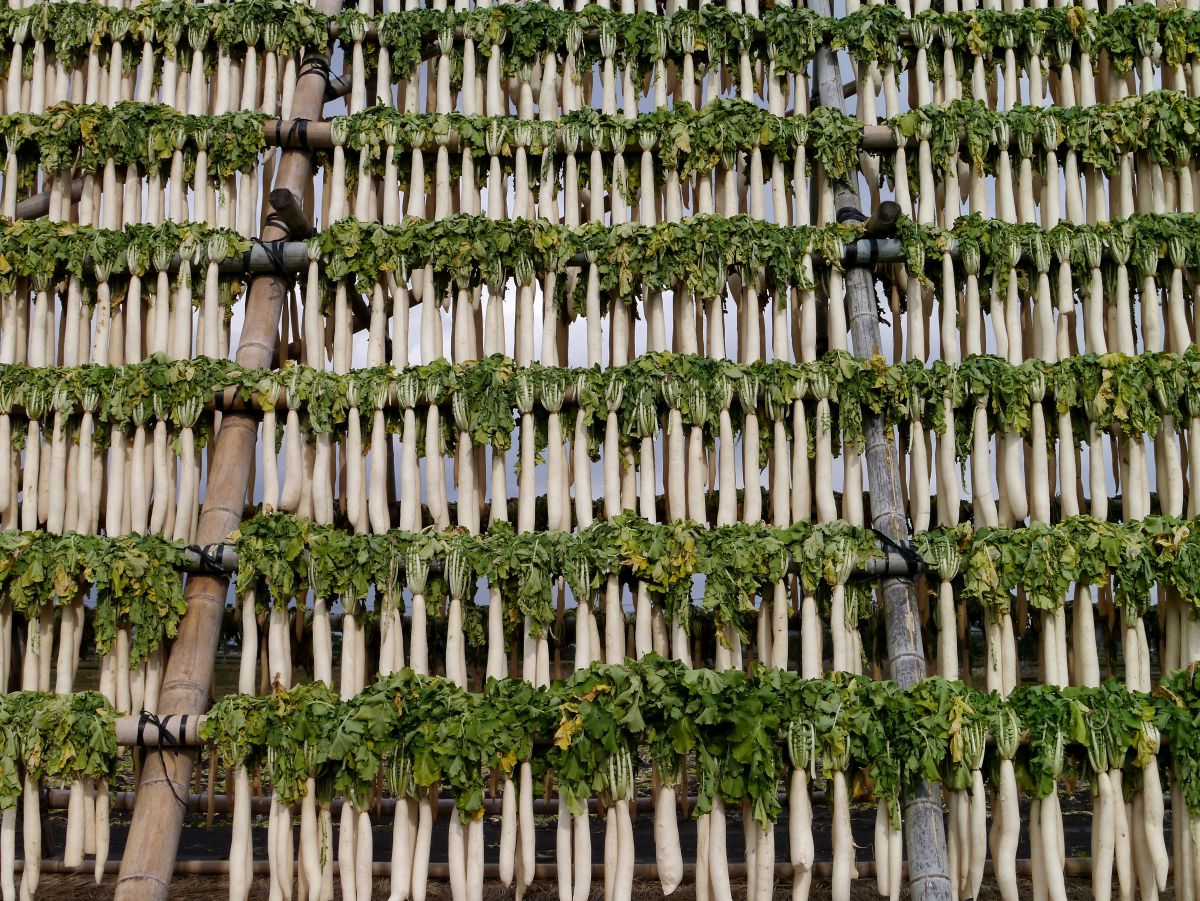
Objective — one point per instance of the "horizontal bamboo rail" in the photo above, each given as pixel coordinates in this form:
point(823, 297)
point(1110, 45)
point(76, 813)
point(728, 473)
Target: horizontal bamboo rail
point(292, 257)
point(302, 134)
point(223, 558)
point(588, 35)
point(1073, 866)
point(57, 799)
point(260, 805)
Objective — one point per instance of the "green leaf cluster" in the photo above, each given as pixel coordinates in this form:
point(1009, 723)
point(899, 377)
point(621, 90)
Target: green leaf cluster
point(788, 37)
point(1045, 560)
point(42, 253)
point(681, 138)
point(696, 254)
point(745, 730)
point(289, 556)
point(135, 578)
point(631, 260)
point(54, 738)
point(84, 137)
point(1162, 124)
point(484, 399)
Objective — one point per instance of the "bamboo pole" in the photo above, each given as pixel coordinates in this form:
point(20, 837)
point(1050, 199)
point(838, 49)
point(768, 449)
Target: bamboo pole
point(149, 859)
point(924, 833)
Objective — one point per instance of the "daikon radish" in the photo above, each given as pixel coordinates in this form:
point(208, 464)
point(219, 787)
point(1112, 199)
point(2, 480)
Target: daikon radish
point(293, 470)
point(1153, 812)
point(974, 748)
point(32, 838)
point(186, 415)
point(346, 852)
point(420, 870)
point(508, 831)
point(526, 847)
point(564, 845)
point(668, 853)
point(883, 875)
point(1007, 815)
point(310, 850)
point(718, 860)
point(403, 828)
point(8, 853)
point(363, 849)
point(843, 840)
point(475, 857)
point(416, 569)
point(621, 787)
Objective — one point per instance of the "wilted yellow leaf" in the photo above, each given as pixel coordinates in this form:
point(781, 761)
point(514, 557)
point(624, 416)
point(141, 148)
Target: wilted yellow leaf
point(508, 761)
point(566, 729)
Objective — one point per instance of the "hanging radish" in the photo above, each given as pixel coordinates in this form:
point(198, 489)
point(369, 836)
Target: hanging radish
point(801, 746)
point(185, 415)
point(408, 392)
point(843, 841)
point(416, 570)
point(974, 746)
point(404, 827)
point(821, 387)
point(1006, 821)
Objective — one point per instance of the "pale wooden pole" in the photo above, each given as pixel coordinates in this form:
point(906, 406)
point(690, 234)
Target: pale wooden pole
point(924, 832)
point(149, 858)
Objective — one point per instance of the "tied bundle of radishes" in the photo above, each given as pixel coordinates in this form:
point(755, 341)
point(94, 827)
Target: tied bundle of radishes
point(53, 738)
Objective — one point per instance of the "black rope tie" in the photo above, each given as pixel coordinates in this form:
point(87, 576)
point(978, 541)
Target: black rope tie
point(165, 739)
point(850, 214)
point(315, 64)
point(906, 551)
point(295, 137)
point(209, 563)
point(276, 221)
point(855, 254)
point(273, 250)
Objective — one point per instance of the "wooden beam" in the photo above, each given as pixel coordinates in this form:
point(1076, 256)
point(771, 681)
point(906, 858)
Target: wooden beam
point(288, 206)
point(37, 205)
point(882, 223)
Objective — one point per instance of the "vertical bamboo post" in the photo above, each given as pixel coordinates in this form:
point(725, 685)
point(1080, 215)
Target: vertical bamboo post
point(149, 858)
point(924, 833)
